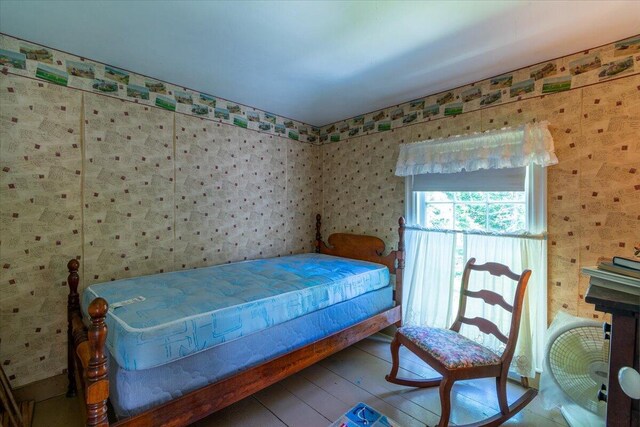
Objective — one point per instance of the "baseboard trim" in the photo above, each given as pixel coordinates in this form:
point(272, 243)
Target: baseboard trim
point(42, 389)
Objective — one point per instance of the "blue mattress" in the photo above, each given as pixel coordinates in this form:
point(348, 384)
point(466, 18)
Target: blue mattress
point(158, 319)
point(132, 392)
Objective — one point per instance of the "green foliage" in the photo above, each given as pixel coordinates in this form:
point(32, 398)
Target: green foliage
point(470, 196)
point(506, 217)
point(470, 216)
point(440, 215)
point(483, 211)
point(505, 196)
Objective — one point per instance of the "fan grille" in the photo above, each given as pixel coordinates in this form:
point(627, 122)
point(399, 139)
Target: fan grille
point(572, 357)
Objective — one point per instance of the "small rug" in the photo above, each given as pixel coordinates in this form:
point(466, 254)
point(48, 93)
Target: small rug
point(363, 415)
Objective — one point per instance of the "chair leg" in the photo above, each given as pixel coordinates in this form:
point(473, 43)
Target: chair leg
point(501, 390)
point(395, 359)
point(445, 401)
point(395, 364)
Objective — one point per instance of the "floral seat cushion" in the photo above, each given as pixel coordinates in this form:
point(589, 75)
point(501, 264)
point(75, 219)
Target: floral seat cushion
point(449, 348)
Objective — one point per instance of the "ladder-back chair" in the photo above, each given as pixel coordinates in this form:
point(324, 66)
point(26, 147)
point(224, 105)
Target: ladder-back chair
point(456, 357)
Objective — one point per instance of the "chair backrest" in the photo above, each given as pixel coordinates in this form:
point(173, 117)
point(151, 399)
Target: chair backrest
point(493, 298)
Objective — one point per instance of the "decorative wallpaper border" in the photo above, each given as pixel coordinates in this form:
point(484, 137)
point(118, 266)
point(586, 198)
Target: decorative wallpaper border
point(589, 67)
point(592, 66)
point(29, 59)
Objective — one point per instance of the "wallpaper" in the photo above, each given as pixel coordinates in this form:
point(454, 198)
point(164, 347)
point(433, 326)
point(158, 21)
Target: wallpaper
point(582, 69)
point(593, 193)
point(204, 180)
point(304, 196)
point(40, 222)
point(361, 194)
point(31, 60)
point(231, 194)
point(129, 189)
point(609, 212)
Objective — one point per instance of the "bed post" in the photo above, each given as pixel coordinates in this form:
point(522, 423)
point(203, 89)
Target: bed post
point(97, 381)
point(400, 265)
point(318, 235)
point(73, 305)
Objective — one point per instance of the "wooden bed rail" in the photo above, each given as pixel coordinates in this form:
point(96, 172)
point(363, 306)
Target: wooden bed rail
point(87, 352)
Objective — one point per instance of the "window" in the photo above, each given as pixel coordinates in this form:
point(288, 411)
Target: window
point(480, 195)
point(501, 212)
point(483, 214)
point(492, 201)
point(489, 211)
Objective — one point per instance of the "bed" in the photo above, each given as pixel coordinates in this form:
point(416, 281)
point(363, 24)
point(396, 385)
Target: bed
point(172, 348)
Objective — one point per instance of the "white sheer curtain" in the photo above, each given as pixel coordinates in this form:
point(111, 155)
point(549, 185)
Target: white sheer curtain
point(529, 144)
point(519, 253)
point(429, 278)
point(431, 292)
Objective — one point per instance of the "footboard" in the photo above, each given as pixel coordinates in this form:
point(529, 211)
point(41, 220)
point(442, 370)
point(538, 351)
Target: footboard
point(86, 352)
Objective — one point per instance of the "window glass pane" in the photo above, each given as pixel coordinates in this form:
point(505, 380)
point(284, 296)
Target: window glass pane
point(468, 196)
point(470, 216)
point(506, 196)
point(498, 211)
point(506, 217)
point(439, 215)
point(439, 196)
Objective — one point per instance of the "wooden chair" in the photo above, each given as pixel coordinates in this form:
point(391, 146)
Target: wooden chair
point(458, 358)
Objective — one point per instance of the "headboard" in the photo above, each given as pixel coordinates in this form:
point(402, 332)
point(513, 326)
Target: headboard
point(366, 248)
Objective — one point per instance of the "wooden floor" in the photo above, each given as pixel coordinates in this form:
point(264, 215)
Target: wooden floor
point(321, 393)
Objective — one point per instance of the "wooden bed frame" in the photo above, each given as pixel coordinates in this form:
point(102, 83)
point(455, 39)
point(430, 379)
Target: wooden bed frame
point(87, 353)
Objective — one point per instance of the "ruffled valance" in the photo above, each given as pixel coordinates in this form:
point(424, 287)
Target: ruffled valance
point(504, 148)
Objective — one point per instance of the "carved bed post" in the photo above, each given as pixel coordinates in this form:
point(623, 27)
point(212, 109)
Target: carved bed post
point(73, 305)
point(400, 265)
point(318, 235)
point(97, 382)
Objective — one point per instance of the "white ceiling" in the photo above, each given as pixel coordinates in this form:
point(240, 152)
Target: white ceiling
point(320, 61)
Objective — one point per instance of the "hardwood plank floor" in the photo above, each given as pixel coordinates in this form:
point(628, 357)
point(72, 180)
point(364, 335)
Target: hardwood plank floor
point(289, 408)
point(321, 393)
point(248, 412)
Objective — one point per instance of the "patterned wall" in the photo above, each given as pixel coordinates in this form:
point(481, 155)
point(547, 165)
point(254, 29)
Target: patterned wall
point(361, 194)
point(231, 193)
point(130, 189)
point(304, 196)
point(40, 222)
point(609, 212)
point(593, 193)
point(32, 60)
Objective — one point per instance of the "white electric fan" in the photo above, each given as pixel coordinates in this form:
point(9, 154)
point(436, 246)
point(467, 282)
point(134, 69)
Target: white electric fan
point(576, 370)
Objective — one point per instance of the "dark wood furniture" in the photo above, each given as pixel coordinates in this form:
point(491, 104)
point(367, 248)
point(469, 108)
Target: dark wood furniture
point(12, 413)
point(624, 349)
point(470, 360)
point(87, 352)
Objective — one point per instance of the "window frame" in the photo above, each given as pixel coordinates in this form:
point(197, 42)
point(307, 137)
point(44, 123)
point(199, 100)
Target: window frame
point(535, 205)
point(486, 204)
